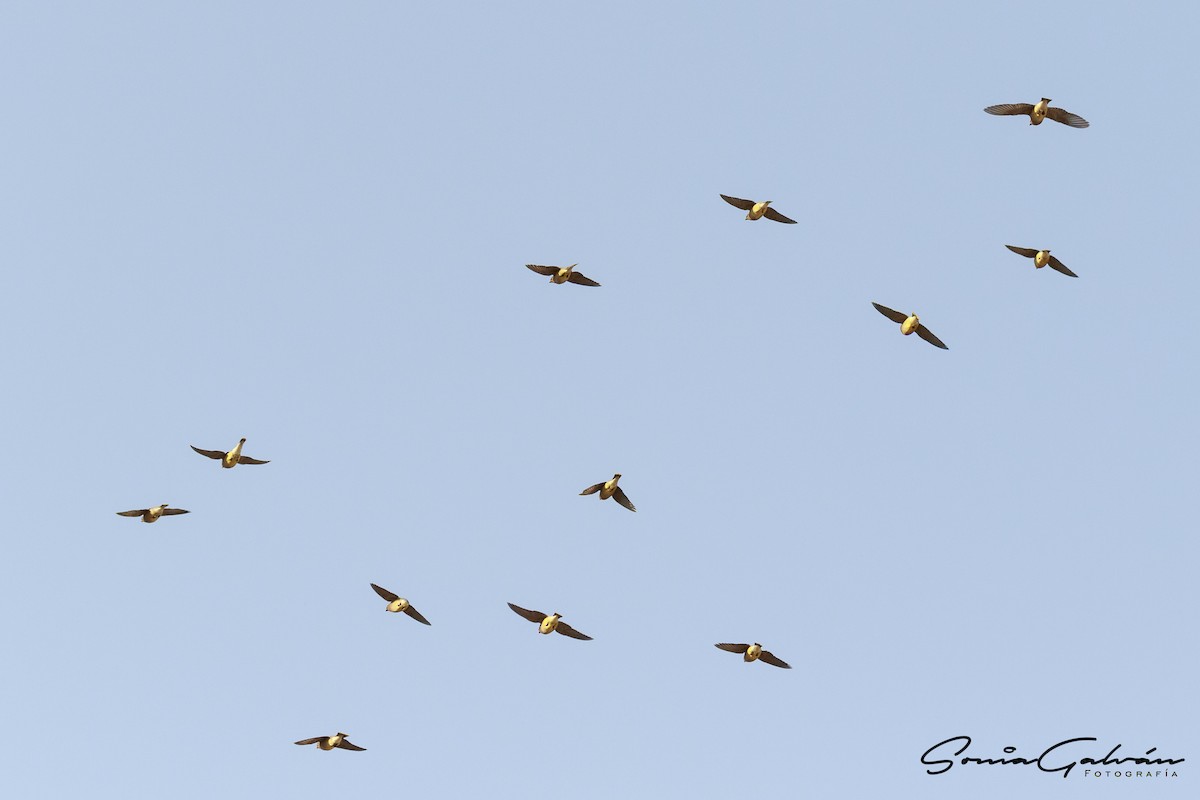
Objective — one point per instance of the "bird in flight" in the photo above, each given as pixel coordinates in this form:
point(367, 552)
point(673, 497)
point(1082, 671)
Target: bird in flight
point(910, 323)
point(1037, 112)
point(609, 489)
point(152, 514)
point(547, 623)
point(1042, 258)
point(230, 459)
point(397, 604)
point(754, 652)
point(330, 742)
point(563, 274)
point(757, 210)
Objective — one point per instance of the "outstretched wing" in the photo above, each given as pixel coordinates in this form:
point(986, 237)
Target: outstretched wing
point(412, 612)
point(744, 205)
point(894, 316)
point(249, 460)
point(1010, 109)
point(532, 616)
point(1061, 267)
point(1028, 252)
point(541, 270)
point(592, 489)
point(313, 740)
point(345, 745)
point(1066, 117)
point(575, 277)
point(567, 630)
point(385, 594)
point(137, 512)
point(771, 213)
point(170, 512)
point(209, 453)
point(733, 648)
point(773, 661)
point(928, 336)
point(620, 497)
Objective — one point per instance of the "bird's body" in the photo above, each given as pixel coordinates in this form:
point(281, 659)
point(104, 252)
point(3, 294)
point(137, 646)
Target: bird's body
point(909, 324)
point(754, 652)
point(1042, 258)
point(548, 623)
point(153, 513)
point(330, 742)
point(561, 275)
point(1037, 112)
point(609, 488)
point(397, 604)
point(757, 209)
point(230, 459)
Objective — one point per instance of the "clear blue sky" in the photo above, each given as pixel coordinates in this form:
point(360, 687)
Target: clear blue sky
point(307, 225)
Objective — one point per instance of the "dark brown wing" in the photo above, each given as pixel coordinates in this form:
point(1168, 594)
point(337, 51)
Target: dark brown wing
point(209, 453)
point(412, 612)
point(385, 594)
point(1066, 117)
point(249, 460)
point(894, 316)
point(1010, 109)
point(592, 489)
point(928, 336)
point(532, 616)
point(567, 630)
point(773, 661)
point(620, 497)
point(744, 205)
point(771, 213)
point(575, 277)
point(540, 270)
point(1028, 252)
point(137, 512)
point(170, 512)
point(313, 740)
point(1061, 267)
point(345, 745)
point(733, 648)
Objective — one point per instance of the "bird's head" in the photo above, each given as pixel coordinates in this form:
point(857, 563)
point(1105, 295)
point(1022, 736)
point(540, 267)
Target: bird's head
point(1046, 100)
point(341, 734)
point(242, 440)
point(573, 266)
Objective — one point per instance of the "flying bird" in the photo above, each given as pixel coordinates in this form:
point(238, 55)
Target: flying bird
point(910, 323)
point(397, 604)
point(754, 652)
point(1042, 258)
point(609, 489)
point(152, 514)
point(563, 274)
point(1038, 112)
point(232, 458)
point(330, 742)
point(757, 210)
point(549, 623)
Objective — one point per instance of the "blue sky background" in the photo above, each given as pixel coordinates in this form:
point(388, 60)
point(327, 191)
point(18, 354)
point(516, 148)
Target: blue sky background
point(307, 225)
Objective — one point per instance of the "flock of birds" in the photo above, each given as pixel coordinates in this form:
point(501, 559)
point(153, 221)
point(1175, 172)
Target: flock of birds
point(609, 489)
